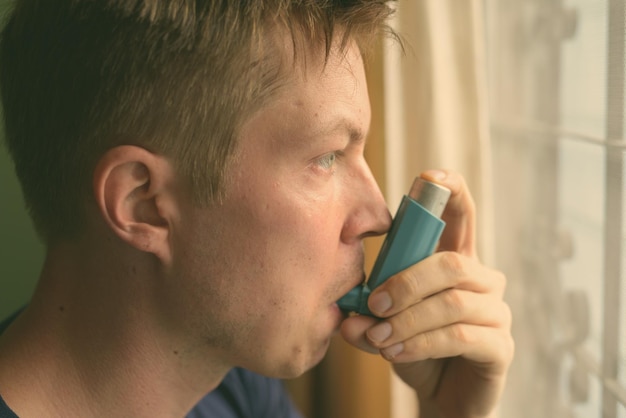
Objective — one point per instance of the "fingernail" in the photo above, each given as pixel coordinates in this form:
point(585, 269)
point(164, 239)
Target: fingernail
point(438, 175)
point(380, 332)
point(391, 352)
point(380, 302)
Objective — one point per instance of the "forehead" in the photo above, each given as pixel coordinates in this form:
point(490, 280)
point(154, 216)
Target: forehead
point(321, 99)
point(336, 74)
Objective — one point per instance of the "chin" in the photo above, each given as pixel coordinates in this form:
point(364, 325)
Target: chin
point(298, 365)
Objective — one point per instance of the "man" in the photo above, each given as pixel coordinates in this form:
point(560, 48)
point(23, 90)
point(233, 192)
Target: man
point(196, 171)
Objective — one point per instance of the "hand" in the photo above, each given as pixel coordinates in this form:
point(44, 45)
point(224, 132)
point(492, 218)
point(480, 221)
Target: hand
point(444, 326)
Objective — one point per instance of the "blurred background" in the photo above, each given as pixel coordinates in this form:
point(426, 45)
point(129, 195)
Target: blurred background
point(21, 253)
point(526, 100)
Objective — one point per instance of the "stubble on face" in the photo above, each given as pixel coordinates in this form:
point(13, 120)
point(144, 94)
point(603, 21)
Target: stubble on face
point(262, 269)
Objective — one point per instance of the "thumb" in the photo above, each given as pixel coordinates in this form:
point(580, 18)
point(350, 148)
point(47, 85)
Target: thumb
point(459, 214)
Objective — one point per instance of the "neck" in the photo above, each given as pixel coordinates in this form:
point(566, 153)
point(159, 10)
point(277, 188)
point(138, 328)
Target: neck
point(90, 345)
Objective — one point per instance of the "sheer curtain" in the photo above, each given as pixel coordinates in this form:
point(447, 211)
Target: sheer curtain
point(436, 113)
point(436, 109)
point(557, 84)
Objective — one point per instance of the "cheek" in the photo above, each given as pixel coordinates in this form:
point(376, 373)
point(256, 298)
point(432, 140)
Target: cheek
point(306, 249)
point(297, 232)
point(259, 286)
point(268, 247)
point(289, 270)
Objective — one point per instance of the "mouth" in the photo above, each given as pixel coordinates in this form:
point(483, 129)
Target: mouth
point(343, 307)
point(341, 315)
point(361, 280)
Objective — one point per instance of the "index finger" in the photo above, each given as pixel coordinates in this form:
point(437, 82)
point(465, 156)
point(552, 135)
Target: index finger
point(430, 276)
point(459, 214)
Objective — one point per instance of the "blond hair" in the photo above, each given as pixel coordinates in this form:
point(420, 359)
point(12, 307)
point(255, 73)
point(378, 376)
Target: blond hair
point(177, 77)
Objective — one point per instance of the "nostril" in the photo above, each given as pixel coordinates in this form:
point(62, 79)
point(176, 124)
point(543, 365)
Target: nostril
point(366, 222)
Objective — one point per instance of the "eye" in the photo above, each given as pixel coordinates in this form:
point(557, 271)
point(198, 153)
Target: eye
point(327, 161)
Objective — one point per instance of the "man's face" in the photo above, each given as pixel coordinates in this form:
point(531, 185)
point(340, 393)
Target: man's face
point(263, 269)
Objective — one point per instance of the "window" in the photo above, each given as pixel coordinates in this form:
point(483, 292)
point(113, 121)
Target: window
point(556, 77)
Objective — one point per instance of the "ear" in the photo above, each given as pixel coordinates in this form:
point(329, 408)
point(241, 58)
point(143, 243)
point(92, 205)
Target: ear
point(134, 190)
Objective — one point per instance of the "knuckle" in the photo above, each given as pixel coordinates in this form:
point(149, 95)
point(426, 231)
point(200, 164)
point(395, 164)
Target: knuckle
point(500, 279)
point(511, 347)
point(406, 320)
point(405, 285)
point(454, 302)
point(425, 344)
point(461, 334)
point(452, 262)
point(506, 352)
point(507, 315)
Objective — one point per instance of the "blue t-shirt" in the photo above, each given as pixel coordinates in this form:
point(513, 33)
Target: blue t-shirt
point(5, 411)
point(242, 394)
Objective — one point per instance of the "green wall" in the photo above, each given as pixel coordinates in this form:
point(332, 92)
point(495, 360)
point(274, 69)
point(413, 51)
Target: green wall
point(21, 254)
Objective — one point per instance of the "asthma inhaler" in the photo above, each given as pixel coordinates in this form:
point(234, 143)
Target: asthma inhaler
point(413, 236)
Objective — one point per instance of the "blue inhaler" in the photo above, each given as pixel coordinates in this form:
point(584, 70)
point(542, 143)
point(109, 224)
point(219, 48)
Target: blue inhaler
point(413, 236)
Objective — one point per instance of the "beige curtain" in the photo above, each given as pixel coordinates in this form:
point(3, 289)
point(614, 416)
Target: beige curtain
point(436, 113)
point(436, 100)
point(429, 110)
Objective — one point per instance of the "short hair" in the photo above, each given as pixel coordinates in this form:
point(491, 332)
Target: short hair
point(177, 77)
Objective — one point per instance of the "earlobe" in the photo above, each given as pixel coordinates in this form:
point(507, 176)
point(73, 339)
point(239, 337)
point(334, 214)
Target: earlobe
point(133, 190)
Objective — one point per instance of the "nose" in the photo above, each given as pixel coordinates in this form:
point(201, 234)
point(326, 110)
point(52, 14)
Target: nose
point(368, 215)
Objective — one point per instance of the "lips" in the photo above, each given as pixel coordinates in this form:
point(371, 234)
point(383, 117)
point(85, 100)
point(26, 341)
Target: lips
point(347, 305)
point(356, 282)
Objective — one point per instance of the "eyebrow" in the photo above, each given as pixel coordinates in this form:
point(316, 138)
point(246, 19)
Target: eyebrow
point(355, 134)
